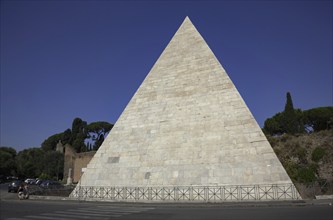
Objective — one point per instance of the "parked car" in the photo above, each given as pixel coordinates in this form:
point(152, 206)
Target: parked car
point(39, 181)
point(50, 184)
point(30, 181)
point(2, 178)
point(14, 185)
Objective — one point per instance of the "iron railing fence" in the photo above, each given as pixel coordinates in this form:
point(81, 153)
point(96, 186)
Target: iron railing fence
point(315, 188)
point(189, 193)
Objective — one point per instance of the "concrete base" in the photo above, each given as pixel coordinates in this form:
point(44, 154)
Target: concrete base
point(325, 197)
point(69, 181)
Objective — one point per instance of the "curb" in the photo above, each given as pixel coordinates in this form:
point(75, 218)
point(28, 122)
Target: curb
point(33, 197)
point(225, 204)
point(324, 197)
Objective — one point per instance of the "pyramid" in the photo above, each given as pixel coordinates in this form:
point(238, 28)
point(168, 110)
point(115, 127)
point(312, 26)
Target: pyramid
point(186, 135)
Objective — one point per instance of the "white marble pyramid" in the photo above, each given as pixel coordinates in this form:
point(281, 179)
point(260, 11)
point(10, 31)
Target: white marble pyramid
point(186, 135)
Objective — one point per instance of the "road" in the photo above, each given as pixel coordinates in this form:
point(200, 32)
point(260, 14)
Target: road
point(11, 208)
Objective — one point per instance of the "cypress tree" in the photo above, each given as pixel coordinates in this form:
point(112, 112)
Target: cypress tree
point(289, 107)
point(290, 121)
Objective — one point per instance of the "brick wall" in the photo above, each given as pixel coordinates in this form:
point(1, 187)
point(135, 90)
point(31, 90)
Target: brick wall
point(75, 161)
point(81, 161)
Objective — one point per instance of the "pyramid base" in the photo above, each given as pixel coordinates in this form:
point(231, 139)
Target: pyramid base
point(214, 194)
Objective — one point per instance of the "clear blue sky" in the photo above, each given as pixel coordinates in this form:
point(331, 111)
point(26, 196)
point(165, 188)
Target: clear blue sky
point(67, 59)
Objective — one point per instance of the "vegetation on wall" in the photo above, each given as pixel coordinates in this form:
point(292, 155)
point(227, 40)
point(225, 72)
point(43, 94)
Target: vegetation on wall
point(303, 142)
point(306, 157)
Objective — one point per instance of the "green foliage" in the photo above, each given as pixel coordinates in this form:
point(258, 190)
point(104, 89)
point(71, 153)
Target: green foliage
point(301, 154)
point(34, 162)
point(99, 127)
point(317, 154)
point(319, 118)
point(293, 121)
point(307, 158)
point(97, 131)
point(51, 142)
point(301, 173)
point(74, 137)
point(7, 161)
point(289, 107)
point(289, 121)
point(285, 137)
point(53, 164)
point(79, 134)
point(82, 137)
point(292, 170)
point(45, 162)
point(66, 137)
point(306, 174)
point(44, 176)
point(30, 162)
point(98, 142)
point(273, 125)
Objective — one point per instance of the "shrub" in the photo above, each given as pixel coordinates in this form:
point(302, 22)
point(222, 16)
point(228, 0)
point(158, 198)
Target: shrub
point(318, 154)
point(292, 170)
point(285, 137)
point(306, 175)
point(277, 151)
point(301, 154)
point(303, 174)
point(44, 176)
point(272, 140)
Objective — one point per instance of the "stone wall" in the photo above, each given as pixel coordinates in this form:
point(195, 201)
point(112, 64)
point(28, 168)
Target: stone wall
point(75, 162)
point(81, 161)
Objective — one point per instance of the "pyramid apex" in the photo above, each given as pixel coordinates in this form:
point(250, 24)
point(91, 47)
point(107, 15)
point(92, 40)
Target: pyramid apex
point(187, 19)
point(186, 23)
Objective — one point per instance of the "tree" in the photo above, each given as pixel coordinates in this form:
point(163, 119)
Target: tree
point(36, 162)
point(30, 162)
point(53, 164)
point(7, 161)
point(79, 134)
point(97, 132)
point(289, 121)
point(273, 125)
point(98, 142)
point(66, 136)
point(319, 118)
point(51, 142)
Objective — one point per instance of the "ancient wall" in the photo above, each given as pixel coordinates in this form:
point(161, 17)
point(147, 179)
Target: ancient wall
point(75, 162)
point(81, 161)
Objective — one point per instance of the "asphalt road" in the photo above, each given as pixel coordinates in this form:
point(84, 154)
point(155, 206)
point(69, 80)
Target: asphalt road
point(12, 208)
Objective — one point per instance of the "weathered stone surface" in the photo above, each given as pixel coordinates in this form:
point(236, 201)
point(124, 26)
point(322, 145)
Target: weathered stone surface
point(186, 125)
